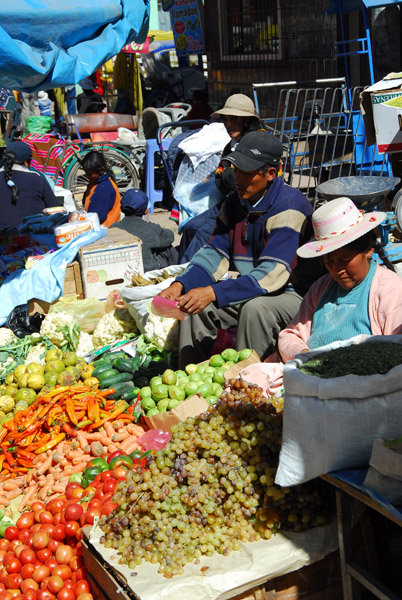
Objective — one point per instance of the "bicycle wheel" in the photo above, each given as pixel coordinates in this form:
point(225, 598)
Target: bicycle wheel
point(125, 173)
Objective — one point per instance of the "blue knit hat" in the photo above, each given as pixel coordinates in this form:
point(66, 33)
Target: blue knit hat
point(137, 200)
point(21, 150)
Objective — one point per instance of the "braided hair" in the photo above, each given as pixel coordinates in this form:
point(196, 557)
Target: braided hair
point(95, 161)
point(9, 160)
point(368, 241)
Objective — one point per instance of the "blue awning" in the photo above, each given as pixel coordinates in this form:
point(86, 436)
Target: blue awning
point(51, 43)
point(345, 6)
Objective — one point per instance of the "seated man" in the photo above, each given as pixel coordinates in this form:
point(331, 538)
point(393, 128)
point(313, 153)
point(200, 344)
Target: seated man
point(257, 233)
point(157, 249)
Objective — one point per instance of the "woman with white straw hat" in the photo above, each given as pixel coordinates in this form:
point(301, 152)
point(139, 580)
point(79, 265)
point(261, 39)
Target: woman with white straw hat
point(358, 296)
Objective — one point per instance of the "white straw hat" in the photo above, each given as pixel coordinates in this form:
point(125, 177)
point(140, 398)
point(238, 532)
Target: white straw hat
point(237, 105)
point(336, 224)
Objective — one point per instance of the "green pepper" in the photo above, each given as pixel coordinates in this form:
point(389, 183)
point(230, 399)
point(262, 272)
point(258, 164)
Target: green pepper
point(3, 527)
point(76, 477)
point(121, 461)
point(98, 462)
point(135, 454)
point(84, 482)
point(90, 473)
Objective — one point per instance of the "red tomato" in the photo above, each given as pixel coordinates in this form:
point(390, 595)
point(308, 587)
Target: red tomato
point(19, 549)
point(29, 594)
point(45, 516)
point(51, 563)
point(57, 518)
point(23, 535)
point(11, 533)
point(106, 475)
point(73, 511)
point(47, 527)
point(66, 594)
point(14, 566)
point(58, 533)
point(53, 545)
point(71, 528)
point(5, 596)
point(3, 575)
point(98, 495)
point(109, 507)
point(27, 555)
point(119, 473)
point(109, 485)
point(85, 596)
point(64, 554)
point(43, 554)
point(4, 544)
point(62, 571)
point(76, 563)
point(37, 505)
point(94, 503)
point(78, 493)
point(82, 587)
point(2, 554)
point(35, 527)
point(16, 594)
point(40, 573)
point(27, 570)
point(72, 485)
point(91, 514)
point(8, 557)
point(29, 584)
point(55, 506)
point(26, 520)
point(55, 584)
point(13, 581)
point(43, 594)
point(69, 584)
point(40, 539)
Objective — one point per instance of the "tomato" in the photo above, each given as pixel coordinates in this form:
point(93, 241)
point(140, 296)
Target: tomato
point(69, 584)
point(14, 566)
point(56, 505)
point(45, 516)
point(66, 594)
point(43, 554)
point(27, 555)
point(11, 533)
point(37, 505)
point(26, 520)
point(58, 533)
point(19, 549)
point(71, 528)
point(105, 475)
point(5, 596)
point(85, 596)
point(109, 507)
point(72, 485)
point(62, 571)
point(91, 515)
point(119, 473)
point(40, 539)
point(3, 575)
point(43, 594)
point(73, 511)
point(13, 581)
point(29, 594)
point(2, 554)
point(53, 545)
point(76, 563)
point(64, 554)
point(82, 587)
point(23, 535)
point(109, 485)
point(55, 584)
point(4, 544)
point(51, 563)
point(29, 584)
point(9, 556)
point(40, 573)
point(27, 570)
point(94, 503)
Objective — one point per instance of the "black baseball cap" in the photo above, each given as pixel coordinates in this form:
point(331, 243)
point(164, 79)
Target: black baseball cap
point(255, 150)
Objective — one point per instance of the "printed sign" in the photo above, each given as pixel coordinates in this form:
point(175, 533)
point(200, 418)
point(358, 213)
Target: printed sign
point(186, 25)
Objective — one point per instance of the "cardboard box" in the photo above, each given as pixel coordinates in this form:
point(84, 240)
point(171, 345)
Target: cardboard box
point(72, 288)
point(234, 371)
point(110, 262)
point(387, 115)
point(192, 407)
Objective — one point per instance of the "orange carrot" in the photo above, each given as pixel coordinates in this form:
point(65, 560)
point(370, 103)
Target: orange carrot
point(28, 496)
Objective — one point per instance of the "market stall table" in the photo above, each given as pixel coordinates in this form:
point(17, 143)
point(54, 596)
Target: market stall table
point(349, 489)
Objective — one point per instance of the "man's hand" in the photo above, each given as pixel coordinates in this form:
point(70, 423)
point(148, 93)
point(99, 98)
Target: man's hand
point(196, 300)
point(173, 292)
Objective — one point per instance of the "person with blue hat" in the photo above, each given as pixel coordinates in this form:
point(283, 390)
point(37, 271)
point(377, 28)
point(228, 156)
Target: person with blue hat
point(22, 192)
point(157, 249)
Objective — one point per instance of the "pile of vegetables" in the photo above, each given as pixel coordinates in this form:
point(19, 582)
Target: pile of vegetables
point(370, 358)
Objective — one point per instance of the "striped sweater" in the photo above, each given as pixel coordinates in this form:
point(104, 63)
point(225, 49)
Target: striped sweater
point(260, 244)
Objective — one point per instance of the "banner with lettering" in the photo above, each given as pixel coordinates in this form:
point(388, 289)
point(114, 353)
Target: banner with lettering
point(186, 25)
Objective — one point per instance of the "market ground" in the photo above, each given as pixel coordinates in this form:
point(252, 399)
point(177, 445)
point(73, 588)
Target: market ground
point(161, 217)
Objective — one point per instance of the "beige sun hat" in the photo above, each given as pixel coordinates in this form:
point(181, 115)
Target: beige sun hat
point(237, 105)
point(336, 224)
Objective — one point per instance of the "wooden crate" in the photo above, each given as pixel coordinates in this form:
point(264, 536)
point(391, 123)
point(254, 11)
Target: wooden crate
point(73, 282)
point(319, 581)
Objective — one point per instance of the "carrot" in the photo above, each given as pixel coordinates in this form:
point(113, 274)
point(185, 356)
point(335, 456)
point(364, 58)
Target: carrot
point(10, 485)
point(44, 466)
point(120, 437)
point(81, 440)
point(129, 445)
point(27, 498)
point(44, 491)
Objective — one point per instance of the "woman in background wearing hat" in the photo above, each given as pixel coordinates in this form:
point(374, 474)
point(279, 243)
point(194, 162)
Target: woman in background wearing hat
point(358, 296)
point(22, 192)
point(239, 116)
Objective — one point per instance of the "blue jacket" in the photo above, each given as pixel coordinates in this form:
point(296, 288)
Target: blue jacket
point(260, 244)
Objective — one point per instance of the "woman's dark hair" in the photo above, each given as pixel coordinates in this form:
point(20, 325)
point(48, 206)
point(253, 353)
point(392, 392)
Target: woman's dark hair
point(9, 160)
point(95, 161)
point(253, 124)
point(368, 241)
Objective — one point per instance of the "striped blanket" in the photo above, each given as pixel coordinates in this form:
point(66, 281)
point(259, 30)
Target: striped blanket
point(43, 145)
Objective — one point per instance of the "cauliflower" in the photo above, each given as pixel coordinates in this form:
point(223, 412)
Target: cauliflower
point(112, 327)
point(162, 332)
point(85, 344)
point(53, 324)
point(6, 404)
point(7, 336)
point(36, 355)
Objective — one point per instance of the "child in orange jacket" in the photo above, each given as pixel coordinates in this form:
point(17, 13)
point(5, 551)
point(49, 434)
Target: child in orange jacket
point(102, 195)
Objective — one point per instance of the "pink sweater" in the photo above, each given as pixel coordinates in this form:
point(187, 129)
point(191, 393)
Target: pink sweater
point(385, 311)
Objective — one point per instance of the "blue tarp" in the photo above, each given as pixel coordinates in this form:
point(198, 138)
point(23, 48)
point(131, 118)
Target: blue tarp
point(51, 43)
point(345, 6)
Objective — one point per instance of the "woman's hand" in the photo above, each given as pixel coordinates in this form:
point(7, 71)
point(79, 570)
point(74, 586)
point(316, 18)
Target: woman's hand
point(173, 292)
point(196, 300)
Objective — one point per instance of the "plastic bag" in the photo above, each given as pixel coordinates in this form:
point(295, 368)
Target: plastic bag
point(86, 312)
point(45, 281)
point(162, 307)
point(113, 301)
point(38, 124)
point(154, 439)
point(21, 323)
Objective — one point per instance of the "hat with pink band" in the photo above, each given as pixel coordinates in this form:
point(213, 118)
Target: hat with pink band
point(336, 224)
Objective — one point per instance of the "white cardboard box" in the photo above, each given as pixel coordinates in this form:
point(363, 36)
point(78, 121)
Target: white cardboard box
point(110, 262)
point(387, 114)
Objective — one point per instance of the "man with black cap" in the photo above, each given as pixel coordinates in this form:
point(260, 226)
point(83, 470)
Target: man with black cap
point(22, 192)
point(157, 250)
point(257, 233)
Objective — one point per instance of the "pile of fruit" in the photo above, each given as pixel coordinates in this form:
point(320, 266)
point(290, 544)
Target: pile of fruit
point(211, 488)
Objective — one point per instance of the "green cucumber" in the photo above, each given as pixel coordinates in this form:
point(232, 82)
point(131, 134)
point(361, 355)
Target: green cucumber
point(123, 365)
point(131, 396)
point(111, 356)
point(108, 373)
point(121, 390)
point(111, 382)
point(98, 370)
